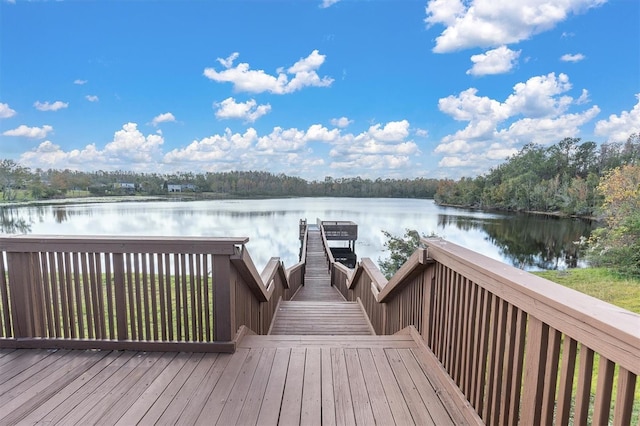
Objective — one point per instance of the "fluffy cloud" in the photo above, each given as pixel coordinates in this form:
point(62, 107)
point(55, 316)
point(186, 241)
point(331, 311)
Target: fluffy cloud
point(572, 58)
point(30, 132)
point(328, 3)
point(48, 155)
point(46, 106)
point(536, 111)
point(130, 149)
point(130, 143)
point(92, 98)
point(382, 149)
point(341, 122)
point(167, 117)
point(248, 111)
point(6, 111)
point(496, 61)
point(301, 74)
point(488, 23)
point(80, 82)
point(617, 128)
point(282, 150)
point(227, 147)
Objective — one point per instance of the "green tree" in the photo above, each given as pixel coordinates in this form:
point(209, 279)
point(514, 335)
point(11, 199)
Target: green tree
point(400, 250)
point(617, 245)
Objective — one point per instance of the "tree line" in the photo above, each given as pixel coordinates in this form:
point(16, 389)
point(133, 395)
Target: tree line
point(561, 178)
point(19, 182)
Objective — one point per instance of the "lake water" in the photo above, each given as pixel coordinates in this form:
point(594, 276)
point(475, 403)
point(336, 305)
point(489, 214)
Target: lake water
point(526, 241)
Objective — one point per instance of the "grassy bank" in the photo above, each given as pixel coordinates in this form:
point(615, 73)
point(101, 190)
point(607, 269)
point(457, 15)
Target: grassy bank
point(604, 285)
point(600, 283)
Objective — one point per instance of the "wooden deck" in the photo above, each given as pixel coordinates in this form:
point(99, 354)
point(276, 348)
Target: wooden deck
point(269, 380)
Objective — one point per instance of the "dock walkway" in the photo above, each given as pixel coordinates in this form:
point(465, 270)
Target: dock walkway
point(318, 308)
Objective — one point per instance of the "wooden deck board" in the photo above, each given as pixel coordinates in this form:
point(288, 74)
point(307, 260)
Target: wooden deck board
point(326, 382)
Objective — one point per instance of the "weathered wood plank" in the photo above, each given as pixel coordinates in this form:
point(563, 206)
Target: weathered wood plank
point(251, 407)
point(341, 389)
point(235, 401)
point(311, 411)
point(292, 396)
point(270, 410)
point(360, 398)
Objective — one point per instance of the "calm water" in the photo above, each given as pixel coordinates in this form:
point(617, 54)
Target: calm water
point(526, 241)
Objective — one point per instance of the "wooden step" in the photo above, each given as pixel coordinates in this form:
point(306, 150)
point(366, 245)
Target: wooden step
point(320, 318)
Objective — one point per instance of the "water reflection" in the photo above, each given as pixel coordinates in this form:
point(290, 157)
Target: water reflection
point(12, 222)
point(529, 242)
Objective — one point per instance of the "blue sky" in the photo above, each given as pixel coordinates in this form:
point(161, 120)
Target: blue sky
point(312, 88)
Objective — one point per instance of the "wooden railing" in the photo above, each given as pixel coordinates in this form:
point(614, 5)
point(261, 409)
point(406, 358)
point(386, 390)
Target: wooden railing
point(140, 293)
point(518, 348)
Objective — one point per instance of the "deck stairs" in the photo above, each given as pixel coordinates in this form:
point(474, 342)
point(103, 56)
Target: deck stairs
point(318, 308)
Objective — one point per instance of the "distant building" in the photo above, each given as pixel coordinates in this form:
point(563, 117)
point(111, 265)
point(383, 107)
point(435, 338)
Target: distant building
point(181, 187)
point(126, 186)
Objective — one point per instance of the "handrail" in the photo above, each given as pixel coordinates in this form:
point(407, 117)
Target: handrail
point(139, 293)
point(605, 328)
point(510, 341)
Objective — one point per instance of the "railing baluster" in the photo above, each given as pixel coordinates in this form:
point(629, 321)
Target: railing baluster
point(583, 395)
point(624, 397)
point(602, 406)
point(535, 359)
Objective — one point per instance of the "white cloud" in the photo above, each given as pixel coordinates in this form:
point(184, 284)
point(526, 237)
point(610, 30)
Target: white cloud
point(381, 149)
point(30, 132)
point(618, 128)
point(92, 98)
point(80, 82)
point(6, 111)
point(394, 131)
point(489, 23)
point(130, 143)
point(248, 111)
point(536, 111)
point(282, 140)
point(572, 57)
point(228, 61)
point(166, 117)
point(301, 74)
point(422, 133)
point(46, 106)
point(328, 3)
point(318, 132)
point(228, 147)
point(341, 122)
point(496, 61)
point(584, 97)
point(129, 150)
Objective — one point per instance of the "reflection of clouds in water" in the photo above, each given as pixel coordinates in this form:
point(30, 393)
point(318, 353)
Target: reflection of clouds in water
point(272, 224)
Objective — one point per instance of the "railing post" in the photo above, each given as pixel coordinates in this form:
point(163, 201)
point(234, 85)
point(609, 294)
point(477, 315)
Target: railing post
point(223, 308)
point(429, 283)
point(21, 307)
point(535, 365)
point(120, 296)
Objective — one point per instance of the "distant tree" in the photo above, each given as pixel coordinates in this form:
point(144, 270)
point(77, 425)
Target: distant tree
point(617, 245)
point(400, 250)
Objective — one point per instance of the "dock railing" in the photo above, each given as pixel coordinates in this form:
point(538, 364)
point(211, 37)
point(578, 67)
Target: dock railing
point(138, 293)
point(519, 348)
